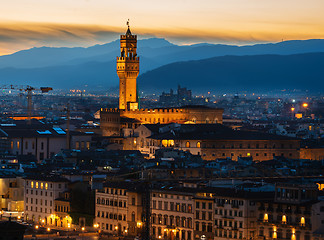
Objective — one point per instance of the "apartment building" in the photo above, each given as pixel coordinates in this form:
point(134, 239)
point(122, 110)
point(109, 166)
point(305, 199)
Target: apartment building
point(295, 213)
point(172, 213)
point(40, 194)
point(119, 208)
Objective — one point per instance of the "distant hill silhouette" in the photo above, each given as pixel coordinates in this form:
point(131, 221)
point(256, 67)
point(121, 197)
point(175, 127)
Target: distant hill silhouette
point(64, 68)
point(238, 73)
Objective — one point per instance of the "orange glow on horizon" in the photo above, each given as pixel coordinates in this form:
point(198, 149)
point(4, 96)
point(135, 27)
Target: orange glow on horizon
point(85, 23)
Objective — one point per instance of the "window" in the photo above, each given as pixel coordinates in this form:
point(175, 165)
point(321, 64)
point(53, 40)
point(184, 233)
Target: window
point(165, 205)
point(198, 144)
point(284, 219)
point(302, 221)
point(197, 226)
point(187, 144)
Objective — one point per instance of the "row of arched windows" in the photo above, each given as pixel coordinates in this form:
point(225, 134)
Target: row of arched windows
point(171, 220)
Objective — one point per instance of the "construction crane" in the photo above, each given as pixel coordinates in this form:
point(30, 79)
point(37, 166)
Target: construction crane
point(29, 90)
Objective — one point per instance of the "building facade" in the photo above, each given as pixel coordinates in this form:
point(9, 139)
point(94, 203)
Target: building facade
point(119, 209)
point(40, 196)
point(212, 141)
point(295, 213)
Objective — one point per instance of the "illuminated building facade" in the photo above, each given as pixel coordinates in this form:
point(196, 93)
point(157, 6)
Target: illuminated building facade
point(172, 214)
point(40, 195)
point(12, 196)
point(296, 213)
point(119, 209)
point(128, 69)
point(212, 141)
point(62, 209)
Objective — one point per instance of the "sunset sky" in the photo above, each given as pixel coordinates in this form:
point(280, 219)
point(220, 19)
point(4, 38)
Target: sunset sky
point(34, 23)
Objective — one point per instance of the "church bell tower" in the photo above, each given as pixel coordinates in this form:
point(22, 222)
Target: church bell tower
point(128, 70)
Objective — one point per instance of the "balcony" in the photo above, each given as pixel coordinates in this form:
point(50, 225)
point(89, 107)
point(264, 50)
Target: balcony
point(227, 217)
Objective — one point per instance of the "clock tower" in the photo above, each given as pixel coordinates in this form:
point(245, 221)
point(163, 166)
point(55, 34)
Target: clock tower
point(128, 70)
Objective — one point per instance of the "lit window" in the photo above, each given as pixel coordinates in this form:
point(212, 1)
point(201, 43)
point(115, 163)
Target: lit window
point(164, 143)
point(302, 221)
point(32, 184)
point(46, 186)
point(187, 144)
point(248, 154)
point(198, 144)
point(36, 184)
point(42, 185)
point(266, 217)
point(284, 219)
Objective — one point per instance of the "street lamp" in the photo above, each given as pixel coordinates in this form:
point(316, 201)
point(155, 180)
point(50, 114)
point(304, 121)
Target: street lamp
point(69, 227)
point(82, 229)
point(48, 231)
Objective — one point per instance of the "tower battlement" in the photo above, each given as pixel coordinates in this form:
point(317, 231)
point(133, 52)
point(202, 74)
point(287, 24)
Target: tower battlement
point(110, 110)
point(122, 37)
point(129, 59)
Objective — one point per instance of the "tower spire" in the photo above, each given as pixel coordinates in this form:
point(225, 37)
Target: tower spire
point(128, 29)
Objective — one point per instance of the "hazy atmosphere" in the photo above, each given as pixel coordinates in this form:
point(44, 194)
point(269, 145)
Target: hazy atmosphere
point(26, 24)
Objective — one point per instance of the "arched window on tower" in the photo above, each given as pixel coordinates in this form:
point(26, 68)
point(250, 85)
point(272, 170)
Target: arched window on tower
point(198, 144)
point(187, 144)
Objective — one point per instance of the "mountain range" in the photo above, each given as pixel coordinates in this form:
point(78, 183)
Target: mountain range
point(163, 64)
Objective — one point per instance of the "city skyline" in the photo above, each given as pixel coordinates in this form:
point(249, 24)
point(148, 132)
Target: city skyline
point(85, 23)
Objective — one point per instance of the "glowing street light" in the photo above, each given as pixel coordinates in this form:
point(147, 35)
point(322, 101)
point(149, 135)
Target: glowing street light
point(305, 105)
point(36, 227)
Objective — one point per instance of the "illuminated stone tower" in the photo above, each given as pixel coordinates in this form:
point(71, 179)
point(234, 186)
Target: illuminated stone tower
point(128, 70)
